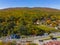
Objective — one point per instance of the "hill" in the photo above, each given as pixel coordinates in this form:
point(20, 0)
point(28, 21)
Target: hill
point(29, 21)
point(36, 10)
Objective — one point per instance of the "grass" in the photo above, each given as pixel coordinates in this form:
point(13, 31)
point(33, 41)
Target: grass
point(50, 38)
point(13, 43)
point(33, 44)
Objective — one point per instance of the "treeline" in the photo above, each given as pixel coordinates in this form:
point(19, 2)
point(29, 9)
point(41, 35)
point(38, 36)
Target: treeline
point(24, 22)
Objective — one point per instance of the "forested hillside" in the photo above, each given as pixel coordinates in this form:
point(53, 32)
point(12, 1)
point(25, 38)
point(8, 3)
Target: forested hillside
point(29, 21)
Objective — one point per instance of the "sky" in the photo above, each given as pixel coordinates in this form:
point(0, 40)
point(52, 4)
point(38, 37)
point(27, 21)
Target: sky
point(30, 3)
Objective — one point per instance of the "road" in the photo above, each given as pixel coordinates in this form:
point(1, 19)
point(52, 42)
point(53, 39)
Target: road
point(34, 39)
